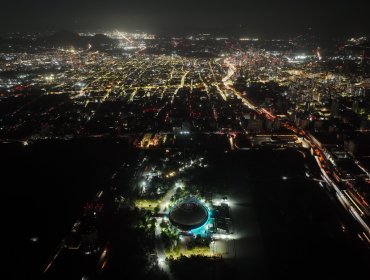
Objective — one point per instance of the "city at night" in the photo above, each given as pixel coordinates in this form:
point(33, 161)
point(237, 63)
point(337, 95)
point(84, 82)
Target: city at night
point(185, 139)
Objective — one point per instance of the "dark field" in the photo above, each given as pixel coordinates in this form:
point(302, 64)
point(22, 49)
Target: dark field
point(286, 228)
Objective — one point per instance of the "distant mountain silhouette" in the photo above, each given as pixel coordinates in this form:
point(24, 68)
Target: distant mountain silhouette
point(70, 39)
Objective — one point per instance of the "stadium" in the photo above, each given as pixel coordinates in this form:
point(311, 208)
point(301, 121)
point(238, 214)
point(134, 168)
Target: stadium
point(188, 214)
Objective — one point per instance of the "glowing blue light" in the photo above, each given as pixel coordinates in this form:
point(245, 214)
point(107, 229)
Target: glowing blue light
point(202, 229)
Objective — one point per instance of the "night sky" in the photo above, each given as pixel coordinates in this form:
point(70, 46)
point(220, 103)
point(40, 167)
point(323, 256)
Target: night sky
point(271, 18)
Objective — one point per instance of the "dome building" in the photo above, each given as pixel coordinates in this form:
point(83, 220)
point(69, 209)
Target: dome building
point(188, 214)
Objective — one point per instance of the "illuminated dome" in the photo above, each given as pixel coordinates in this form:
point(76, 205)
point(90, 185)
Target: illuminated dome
point(188, 214)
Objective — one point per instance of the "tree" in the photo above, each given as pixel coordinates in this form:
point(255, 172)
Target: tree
point(163, 224)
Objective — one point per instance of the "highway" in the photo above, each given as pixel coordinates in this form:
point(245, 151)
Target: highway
point(349, 204)
point(344, 195)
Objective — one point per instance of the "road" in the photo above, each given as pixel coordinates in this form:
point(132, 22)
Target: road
point(161, 256)
point(160, 250)
point(166, 200)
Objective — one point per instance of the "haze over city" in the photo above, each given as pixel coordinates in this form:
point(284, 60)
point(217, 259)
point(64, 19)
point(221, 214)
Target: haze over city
point(249, 17)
